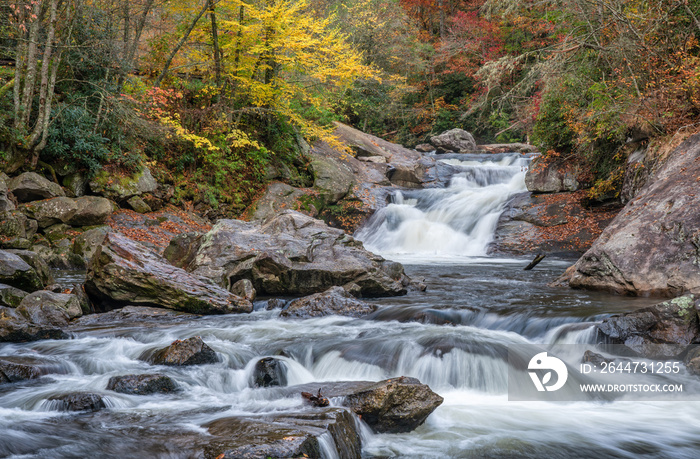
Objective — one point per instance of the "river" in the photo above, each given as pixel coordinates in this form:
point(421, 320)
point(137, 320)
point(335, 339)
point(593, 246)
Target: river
point(451, 337)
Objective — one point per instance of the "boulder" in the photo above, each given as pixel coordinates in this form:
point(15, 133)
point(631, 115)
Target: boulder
point(275, 303)
point(31, 186)
point(390, 406)
point(652, 247)
point(50, 211)
point(191, 351)
point(37, 263)
point(5, 200)
point(268, 372)
point(280, 196)
point(76, 401)
point(16, 326)
point(407, 175)
point(22, 368)
point(424, 148)
point(86, 243)
point(123, 271)
point(547, 175)
point(49, 308)
point(138, 204)
point(75, 184)
point(333, 178)
point(284, 435)
point(244, 288)
point(457, 140)
point(293, 253)
point(91, 210)
point(662, 331)
point(121, 187)
point(334, 301)
point(18, 273)
point(141, 384)
point(10, 296)
point(183, 248)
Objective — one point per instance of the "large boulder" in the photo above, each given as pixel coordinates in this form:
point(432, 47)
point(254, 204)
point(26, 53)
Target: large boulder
point(457, 140)
point(31, 186)
point(5, 201)
point(50, 211)
point(280, 196)
point(123, 271)
point(390, 406)
point(11, 296)
point(18, 273)
point(40, 315)
point(22, 368)
point(547, 175)
point(86, 243)
point(334, 301)
point(141, 384)
point(653, 245)
point(76, 401)
point(293, 254)
point(333, 177)
point(91, 210)
point(284, 435)
point(121, 187)
point(37, 263)
point(662, 331)
point(190, 351)
point(268, 372)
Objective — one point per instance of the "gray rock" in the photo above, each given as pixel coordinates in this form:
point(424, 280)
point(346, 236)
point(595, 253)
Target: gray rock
point(284, 435)
point(75, 184)
point(142, 384)
point(19, 325)
point(50, 211)
point(123, 271)
point(191, 351)
point(5, 200)
point(334, 301)
point(425, 148)
point(183, 248)
point(275, 303)
point(652, 247)
point(138, 205)
point(662, 331)
point(268, 372)
point(333, 178)
point(120, 187)
point(22, 368)
point(457, 140)
point(48, 308)
point(244, 288)
point(91, 210)
point(551, 176)
point(85, 244)
point(292, 254)
point(390, 406)
point(76, 401)
point(31, 186)
point(18, 273)
point(37, 263)
point(11, 296)
point(280, 196)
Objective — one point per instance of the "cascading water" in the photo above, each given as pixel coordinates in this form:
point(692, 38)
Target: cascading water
point(456, 221)
point(452, 337)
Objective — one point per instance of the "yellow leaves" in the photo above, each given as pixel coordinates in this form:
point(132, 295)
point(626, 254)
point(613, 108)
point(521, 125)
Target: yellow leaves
point(239, 139)
point(183, 134)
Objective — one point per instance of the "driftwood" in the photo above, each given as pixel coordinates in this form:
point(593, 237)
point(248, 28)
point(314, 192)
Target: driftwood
point(534, 262)
point(315, 400)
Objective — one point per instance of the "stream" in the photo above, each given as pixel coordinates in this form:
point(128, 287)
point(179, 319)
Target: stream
point(450, 337)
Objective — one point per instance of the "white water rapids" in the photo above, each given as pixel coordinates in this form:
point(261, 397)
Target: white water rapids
point(451, 337)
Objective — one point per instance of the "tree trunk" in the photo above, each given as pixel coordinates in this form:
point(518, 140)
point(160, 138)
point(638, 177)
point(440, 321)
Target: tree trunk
point(215, 44)
point(25, 106)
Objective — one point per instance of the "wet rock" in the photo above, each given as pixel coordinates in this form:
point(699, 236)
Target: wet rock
point(37, 263)
point(288, 435)
point(139, 316)
point(50, 211)
point(268, 372)
point(21, 368)
point(407, 175)
point(191, 351)
point(11, 296)
point(141, 384)
point(244, 288)
point(31, 186)
point(391, 406)
point(121, 187)
point(596, 359)
point(334, 301)
point(546, 175)
point(18, 273)
point(275, 303)
point(293, 254)
point(333, 178)
point(123, 271)
point(457, 140)
point(5, 200)
point(85, 244)
point(77, 401)
point(16, 326)
point(652, 247)
point(424, 148)
point(91, 210)
point(136, 203)
point(49, 308)
point(661, 331)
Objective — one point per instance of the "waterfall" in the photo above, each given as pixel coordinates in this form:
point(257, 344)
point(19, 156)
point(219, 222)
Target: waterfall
point(456, 221)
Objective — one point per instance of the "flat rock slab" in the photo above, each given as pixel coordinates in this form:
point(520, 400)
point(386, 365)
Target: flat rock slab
point(122, 271)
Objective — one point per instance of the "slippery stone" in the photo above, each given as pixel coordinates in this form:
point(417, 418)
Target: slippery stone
point(123, 271)
point(77, 401)
point(293, 254)
point(11, 296)
point(191, 351)
point(546, 175)
point(22, 368)
point(18, 273)
point(31, 186)
point(457, 140)
point(268, 372)
point(142, 384)
point(334, 301)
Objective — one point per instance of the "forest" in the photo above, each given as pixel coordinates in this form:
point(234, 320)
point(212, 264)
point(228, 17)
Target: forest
point(212, 93)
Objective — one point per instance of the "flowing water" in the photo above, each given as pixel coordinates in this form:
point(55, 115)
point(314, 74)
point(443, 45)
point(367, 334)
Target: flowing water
point(451, 337)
